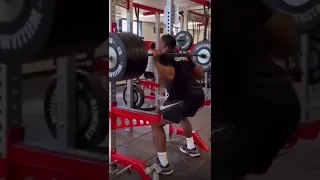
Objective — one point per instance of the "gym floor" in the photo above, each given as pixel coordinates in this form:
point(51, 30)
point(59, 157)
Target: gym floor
point(301, 162)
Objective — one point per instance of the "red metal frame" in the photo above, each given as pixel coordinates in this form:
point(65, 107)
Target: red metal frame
point(152, 10)
point(147, 8)
point(23, 162)
point(147, 84)
point(127, 118)
point(197, 139)
point(305, 132)
point(309, 131)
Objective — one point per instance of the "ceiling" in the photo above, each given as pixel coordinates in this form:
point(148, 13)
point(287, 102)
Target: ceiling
point(160, 4)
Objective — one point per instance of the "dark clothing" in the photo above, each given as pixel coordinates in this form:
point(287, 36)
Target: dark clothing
point(252, 97)
point(178, 110)
point(185, 94)
point(184, 81)
point(148, 75)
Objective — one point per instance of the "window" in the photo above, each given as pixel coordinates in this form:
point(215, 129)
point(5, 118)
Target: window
point(134, 27)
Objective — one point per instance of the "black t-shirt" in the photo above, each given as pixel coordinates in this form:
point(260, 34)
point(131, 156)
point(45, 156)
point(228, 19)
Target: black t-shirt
point(241, 61)
point(184, 80)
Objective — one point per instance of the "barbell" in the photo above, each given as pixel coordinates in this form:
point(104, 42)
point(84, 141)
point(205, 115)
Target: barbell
point(128, 56)
point(173, 55)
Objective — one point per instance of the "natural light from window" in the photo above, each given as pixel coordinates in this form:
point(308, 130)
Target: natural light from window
point(134, 27)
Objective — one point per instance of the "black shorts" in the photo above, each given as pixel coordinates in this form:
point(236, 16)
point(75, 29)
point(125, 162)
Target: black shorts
point(250, 144)
point(177, 110)
point(148, 75)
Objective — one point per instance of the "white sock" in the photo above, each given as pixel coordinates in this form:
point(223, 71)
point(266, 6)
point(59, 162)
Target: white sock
point(190, 143)
point(163, 158)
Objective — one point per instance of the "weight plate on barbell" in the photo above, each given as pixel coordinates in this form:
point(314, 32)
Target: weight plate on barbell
point(203, 47)
point(128, 57)
point(184, 40)
point(91, 116)
point(138, 96)
point(25, 26)
point(305, 12)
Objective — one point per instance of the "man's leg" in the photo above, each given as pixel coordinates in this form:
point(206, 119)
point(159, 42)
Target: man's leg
point(159, 139)
point(190, 108)
point(190, 147)
point(171, 111)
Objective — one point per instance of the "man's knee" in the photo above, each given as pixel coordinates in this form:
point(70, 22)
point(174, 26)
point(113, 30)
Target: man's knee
point(159, 124)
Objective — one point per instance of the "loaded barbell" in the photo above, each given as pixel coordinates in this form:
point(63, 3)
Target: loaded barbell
point(128, 57)
point(172, 55)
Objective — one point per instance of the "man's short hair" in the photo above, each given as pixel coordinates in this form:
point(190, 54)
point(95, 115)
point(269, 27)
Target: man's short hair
point(152, 46)
point(169, 41)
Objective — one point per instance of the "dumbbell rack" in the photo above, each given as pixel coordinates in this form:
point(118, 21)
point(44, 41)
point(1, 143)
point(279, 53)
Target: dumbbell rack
point(127, 117)
point(34, 161)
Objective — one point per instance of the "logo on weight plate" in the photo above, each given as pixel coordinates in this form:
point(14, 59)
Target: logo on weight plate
point(308, 15)
point(120, 55)
point(25, 33)
point(95, 119)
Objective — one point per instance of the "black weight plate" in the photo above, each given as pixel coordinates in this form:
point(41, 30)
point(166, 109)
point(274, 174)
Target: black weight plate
point(53, 28)
point(306, 13)
point(184, 40)
point(136, 56)
point(130, 43)
point(118, 53)
point(203, 47)
point(25, 34)
point(93, 130)
point(129, 53)
point(138, 96)
point(127, 61)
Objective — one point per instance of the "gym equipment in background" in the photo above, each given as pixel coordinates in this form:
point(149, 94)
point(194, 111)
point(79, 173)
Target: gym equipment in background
point(92, 115)
point(48, 29)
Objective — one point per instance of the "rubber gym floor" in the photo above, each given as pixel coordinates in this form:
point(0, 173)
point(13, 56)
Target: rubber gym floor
point(301, 162)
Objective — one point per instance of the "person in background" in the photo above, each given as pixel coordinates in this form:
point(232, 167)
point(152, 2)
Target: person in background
point(149, 72)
